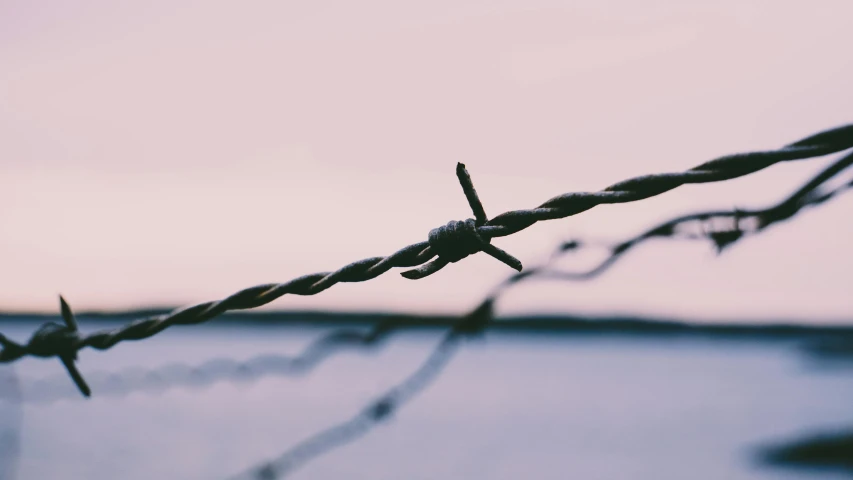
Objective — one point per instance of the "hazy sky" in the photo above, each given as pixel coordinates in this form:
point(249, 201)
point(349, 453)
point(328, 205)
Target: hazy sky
point(168, 152)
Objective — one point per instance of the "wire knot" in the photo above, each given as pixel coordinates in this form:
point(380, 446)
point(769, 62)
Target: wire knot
point(63, 341)
point(53, 339)
point(458, 239)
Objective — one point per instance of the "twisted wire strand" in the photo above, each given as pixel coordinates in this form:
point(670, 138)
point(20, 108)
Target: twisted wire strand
point(722, 227)
point(65, 342)
point(638, 188)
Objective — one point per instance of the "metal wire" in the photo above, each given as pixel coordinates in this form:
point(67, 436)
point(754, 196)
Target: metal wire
point(812, 193)
point(65, 341)
point(722, 227)
point(484, 316)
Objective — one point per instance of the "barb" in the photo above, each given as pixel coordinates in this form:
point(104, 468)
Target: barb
point(471, 239)
point(457, 240)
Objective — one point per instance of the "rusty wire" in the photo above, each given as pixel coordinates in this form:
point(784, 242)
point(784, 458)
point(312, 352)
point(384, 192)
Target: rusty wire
point(448, 243)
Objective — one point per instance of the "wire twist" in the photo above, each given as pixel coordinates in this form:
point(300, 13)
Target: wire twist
point(730, 225)
point(457, 240)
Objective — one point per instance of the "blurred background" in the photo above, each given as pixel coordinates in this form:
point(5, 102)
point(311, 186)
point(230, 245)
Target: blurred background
point(158, 154)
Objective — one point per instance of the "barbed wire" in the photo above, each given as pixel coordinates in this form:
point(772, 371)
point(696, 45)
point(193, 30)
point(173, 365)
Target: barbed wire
point(722, 227)
point(449, 243)
point(180, 375)
point(481, 317)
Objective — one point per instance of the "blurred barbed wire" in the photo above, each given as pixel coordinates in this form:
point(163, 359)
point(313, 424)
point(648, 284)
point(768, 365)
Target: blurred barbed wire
point(359, 425)
point(449, 243)
point(722, 227)
point(219, 370)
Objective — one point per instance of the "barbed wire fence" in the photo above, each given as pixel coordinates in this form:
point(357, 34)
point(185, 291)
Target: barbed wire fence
point(722, 235)
point(449, 243)
point(720, 227)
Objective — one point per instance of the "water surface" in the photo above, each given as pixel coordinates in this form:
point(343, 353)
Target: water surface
point(545, 406)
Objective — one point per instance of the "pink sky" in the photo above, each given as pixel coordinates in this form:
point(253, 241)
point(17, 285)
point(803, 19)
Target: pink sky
point(166, 152)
